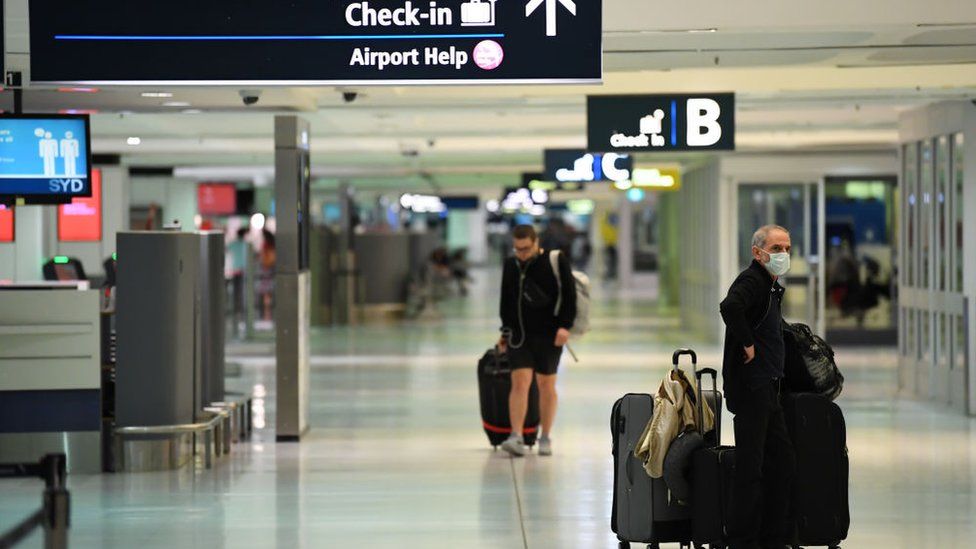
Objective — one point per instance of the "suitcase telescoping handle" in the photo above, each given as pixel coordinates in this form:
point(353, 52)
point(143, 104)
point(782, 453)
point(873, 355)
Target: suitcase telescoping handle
point(676, 357)
point(701, 407)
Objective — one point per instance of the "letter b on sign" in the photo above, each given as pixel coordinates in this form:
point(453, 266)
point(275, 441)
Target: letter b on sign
point(703, 127)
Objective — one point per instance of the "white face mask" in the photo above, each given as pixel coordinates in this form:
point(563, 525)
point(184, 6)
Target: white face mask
point(778, 264)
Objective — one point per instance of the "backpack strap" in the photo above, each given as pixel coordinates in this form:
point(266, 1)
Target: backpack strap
point(554, 261)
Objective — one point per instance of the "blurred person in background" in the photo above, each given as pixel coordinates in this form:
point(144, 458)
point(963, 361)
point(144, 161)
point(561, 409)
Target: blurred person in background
point(267, 259)
point(239, 249)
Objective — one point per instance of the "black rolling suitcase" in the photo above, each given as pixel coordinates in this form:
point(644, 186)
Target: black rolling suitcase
point(643, 510)
point(820, 505)
point(494, 386)
point(712, 471)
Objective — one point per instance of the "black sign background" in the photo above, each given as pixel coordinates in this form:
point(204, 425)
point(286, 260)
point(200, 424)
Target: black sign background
point(556, 159)
point(607, 115)
point(3, 48)
point(573, 55)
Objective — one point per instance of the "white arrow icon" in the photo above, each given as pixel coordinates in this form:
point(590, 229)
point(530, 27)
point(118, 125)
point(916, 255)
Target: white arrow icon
point(550, 12)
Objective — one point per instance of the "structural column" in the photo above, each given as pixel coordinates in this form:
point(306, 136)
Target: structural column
point(292, 276)
point(625, 242)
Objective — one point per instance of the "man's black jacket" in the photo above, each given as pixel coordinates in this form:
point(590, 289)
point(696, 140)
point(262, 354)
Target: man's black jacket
point(537, 321)
point(743, 309)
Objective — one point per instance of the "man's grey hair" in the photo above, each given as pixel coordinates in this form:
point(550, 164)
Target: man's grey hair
point(762, 233)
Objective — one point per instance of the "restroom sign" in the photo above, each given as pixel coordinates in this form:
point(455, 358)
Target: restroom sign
point(648, 123)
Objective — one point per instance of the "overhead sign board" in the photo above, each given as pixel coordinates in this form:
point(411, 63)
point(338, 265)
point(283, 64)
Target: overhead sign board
point(648, 123)
point(578, 166)
point(3, 49)
point(657, 179)
point(316, 42)
point(44, 156)
point(537, 181)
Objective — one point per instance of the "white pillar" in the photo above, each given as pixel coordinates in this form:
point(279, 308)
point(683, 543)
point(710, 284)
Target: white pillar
point(29, 247)
point(478, 236)
point(625, 242)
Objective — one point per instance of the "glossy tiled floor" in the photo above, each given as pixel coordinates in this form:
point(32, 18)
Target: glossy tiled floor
point(396, 458)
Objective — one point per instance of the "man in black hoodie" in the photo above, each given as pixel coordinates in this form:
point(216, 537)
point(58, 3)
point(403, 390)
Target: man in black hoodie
point(753, 368)
point(537, 312)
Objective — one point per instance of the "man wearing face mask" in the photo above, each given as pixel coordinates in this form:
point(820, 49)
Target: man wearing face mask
point(753, 368)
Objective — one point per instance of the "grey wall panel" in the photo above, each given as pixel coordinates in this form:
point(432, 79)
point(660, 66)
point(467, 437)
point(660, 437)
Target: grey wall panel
point(211, 316)
point(385, 263)
point(421, 246)
point(157, 274)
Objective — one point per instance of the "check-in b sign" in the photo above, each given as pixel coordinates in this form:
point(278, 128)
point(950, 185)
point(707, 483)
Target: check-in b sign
point(647, 123)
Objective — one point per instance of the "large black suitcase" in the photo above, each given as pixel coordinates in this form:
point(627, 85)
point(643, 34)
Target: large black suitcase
point(820, 505)
point(494, 386)
point(712, 472)
point(643, 510)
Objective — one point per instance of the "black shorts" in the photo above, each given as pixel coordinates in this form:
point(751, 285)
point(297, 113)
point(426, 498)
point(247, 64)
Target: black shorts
point(537, 353)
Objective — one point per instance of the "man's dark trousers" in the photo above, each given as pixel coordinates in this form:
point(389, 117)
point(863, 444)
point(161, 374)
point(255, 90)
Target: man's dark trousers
point(764, 469)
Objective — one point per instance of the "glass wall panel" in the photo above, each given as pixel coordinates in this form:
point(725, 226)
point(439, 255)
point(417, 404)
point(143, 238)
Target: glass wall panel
point(925, 217)
point(942, 174)
point(926, 328)
point(912, 339)
point(910, 157)
point(960, 343)
point(943, 334)
point(957, 161)
point(860, 270)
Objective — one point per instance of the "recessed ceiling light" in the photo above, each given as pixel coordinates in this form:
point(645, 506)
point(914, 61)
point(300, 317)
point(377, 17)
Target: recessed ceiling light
point(192, 111)
point(133, 141)
point(78, 111)
point(156, 94)
point(176, 104)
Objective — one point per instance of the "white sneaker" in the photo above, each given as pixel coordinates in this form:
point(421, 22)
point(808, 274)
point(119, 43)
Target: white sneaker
point(514, 445)
point(545, 447)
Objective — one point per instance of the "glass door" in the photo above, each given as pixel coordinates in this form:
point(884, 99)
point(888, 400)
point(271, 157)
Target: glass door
point(861, 259)
point(798, 207)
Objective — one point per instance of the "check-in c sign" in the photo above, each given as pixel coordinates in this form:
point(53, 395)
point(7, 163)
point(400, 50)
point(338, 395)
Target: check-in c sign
point(630, 123)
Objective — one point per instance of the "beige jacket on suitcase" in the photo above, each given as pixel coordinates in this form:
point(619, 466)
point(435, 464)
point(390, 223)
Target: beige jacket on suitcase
point(674, 413)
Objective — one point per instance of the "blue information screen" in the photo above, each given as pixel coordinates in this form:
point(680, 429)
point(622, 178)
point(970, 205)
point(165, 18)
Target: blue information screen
point(44, 156)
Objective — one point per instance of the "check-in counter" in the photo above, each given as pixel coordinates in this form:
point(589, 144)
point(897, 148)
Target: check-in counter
point(50, 374)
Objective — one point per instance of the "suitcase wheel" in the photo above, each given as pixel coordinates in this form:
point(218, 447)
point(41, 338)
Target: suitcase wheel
point(624, 545)
point(653, 546)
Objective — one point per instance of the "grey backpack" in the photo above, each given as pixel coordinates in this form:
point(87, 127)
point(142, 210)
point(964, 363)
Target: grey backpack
point(581, 324)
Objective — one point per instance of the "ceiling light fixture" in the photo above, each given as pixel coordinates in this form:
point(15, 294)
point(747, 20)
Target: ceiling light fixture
point(707, 30)
point(78, 90)
point(157, 95)
point(931, 25)
point(133, 141)
point(192, 111)
point(176, 104)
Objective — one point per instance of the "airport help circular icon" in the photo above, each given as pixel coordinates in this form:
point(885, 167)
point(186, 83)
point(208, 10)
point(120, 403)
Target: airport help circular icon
point(488, 54)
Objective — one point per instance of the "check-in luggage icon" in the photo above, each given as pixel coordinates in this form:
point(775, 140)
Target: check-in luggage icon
point(478, 13)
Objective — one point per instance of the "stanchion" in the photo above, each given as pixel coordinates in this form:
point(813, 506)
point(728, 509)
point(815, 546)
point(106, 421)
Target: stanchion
point(54, 516)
